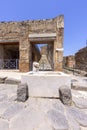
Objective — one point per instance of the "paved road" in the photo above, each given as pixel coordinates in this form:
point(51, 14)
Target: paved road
point(41, 113)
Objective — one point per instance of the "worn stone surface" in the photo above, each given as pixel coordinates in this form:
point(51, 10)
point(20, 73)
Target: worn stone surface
point(57, 120)
point(78, 115)
point(28, 119)
point(73, 124)
point(22, 92)
point(65, 95)
point(4, 125)
point(12, 110)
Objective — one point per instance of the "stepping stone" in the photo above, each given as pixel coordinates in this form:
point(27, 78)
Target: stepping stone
point(22, 92)
point(65, 95)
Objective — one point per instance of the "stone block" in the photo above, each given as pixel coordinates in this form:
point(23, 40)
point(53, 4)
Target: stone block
point(22, 92)
point(45, 84)
point(65, 95)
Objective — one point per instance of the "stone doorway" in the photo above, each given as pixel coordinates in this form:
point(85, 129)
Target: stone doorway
point(9, 56)
point(42, 52)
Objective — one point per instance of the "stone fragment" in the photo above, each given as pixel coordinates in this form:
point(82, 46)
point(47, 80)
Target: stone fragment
point(78, 115)
point(22, 92)
point(65, 95)
point(12, 81)
point(57, 120)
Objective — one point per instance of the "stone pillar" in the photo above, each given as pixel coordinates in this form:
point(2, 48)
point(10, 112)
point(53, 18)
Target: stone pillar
point(1, 56)
point(58, 45)
point(24, 65)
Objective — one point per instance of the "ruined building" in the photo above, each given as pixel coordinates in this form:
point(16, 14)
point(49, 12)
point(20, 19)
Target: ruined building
point(69, 61)
point(18, 43)
point(81, 59)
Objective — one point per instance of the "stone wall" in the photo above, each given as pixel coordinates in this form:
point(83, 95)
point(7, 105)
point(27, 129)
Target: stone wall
point(81, 59)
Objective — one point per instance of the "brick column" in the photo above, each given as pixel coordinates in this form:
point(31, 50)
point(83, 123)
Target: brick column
point(58, 45)
point(24, 65)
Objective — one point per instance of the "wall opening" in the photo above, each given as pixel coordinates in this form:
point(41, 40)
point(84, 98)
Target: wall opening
point(9, 56)
point(43, 53)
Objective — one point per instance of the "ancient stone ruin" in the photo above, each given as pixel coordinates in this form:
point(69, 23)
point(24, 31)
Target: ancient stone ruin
point(18, 43)
point(81, 59)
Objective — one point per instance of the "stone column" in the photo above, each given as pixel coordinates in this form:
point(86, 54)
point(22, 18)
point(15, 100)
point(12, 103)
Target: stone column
point(1, 56)
point(58, 45)
point(24, 65)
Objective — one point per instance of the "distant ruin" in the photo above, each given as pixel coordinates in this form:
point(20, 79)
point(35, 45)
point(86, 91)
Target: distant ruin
point(81, 59)
point(18, 43)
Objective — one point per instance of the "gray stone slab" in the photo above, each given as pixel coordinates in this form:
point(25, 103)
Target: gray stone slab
point(78, 115)
point(3, 106)
point(12, 110)
point(43, 85)
point(29, 119)
point(57, 120)
point(73, 124)
point(59, 106)
point(4, 125)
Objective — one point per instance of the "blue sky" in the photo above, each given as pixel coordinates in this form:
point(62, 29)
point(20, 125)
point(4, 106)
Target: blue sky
point(74, 11)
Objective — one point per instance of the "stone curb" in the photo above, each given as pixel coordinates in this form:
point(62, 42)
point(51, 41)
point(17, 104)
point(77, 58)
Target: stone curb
point(12, 81)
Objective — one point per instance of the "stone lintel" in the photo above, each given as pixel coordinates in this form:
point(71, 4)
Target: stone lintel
point(42, 35)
